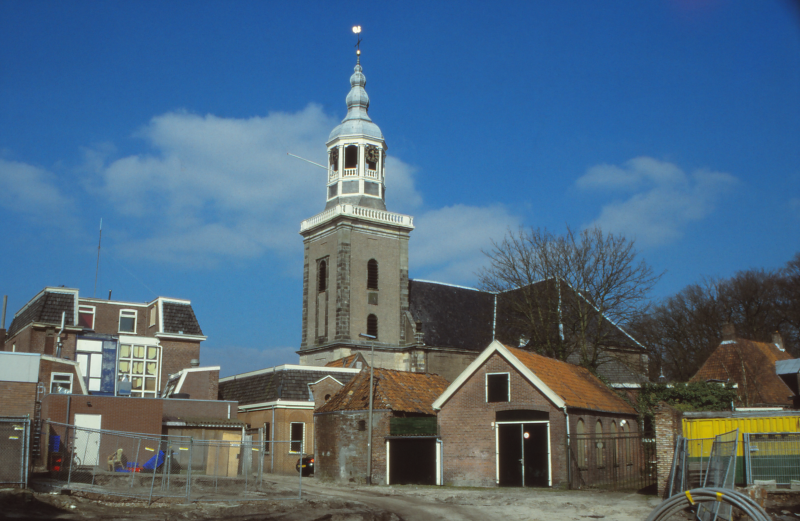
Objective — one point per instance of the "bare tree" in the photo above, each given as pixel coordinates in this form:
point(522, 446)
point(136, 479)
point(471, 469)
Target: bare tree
point(566, 294)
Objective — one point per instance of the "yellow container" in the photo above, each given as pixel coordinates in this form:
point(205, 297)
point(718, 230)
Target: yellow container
point(694, 428)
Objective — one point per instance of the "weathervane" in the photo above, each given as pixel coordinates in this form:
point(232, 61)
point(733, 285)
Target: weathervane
point(357, 31)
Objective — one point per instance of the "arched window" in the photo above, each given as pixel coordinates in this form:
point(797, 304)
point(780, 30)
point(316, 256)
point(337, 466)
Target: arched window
point(372, 325)
point(626, 433)
point(322, 276)
point(351, 156)
point(600, 453)
point(582, 442)
point(372, 274)
point(614, 441)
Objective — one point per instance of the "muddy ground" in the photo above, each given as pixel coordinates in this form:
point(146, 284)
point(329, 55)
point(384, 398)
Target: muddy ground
point(355, 503)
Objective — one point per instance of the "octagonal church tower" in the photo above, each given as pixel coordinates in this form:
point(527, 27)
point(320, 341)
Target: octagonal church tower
point(355, 265)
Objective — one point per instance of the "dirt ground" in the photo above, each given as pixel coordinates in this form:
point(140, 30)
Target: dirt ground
point(323, 501)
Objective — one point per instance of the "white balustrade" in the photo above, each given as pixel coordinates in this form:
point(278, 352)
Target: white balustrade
point(332, 174)
point(350, 172)
point(372, 173)
point(358, 211)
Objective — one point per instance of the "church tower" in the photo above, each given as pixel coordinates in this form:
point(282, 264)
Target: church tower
point(355, 265)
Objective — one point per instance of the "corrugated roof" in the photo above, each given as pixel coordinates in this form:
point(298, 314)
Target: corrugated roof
point(751, 365)
point(398, 391)
point(577, 386)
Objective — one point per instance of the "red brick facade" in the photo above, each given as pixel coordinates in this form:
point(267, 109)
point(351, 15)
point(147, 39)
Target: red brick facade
point(17, 398)
point(668, 426)
point(341, 451)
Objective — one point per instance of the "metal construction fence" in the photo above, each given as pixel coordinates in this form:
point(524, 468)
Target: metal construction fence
point(705, 462)
point(152, 467)
point(772, 456)
point(623, 462)
point(14, 450)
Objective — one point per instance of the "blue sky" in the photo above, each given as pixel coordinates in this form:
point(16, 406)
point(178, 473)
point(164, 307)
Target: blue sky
point(676, 123)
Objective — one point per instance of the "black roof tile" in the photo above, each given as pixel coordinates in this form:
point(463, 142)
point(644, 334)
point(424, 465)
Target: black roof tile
point(46, 309)
point(284, 383)
point(179, 318)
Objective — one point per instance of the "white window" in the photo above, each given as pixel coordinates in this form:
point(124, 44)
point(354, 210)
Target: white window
point(497, 387)
point(142, 366)
point(297, 437)
point(127, 321)
point(86, 317)
point(89, 354)
point(61, 383)
point(152, 316)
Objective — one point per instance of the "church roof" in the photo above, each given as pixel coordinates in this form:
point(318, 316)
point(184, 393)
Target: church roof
point(357, 122)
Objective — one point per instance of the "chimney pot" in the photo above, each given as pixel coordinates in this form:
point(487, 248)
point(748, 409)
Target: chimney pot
point(728, 332)
point(194, 362)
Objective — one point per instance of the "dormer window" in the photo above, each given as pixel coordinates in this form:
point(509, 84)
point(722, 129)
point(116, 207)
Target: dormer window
point(127, 321)
point(86, 317)
point(351, 157)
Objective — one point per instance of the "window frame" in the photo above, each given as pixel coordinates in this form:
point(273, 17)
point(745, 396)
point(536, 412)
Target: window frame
point(599, 435)
point(508, 387)
point(131, 313)
point(131, 359)
point(583, 444)
point(373, 278)
point(292, 441)
point(53, 380)
point(322, 275)
point(87, 310)
point(372, 330)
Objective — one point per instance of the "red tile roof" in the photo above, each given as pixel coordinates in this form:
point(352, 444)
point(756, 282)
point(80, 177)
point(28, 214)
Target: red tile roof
point(576, 385)
point(399, 391)
point(751, 365)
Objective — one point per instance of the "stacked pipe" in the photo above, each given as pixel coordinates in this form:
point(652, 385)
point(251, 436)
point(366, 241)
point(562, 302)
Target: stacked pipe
point(689, 498)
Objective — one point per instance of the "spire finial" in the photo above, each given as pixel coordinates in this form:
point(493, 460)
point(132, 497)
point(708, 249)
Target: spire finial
point(357, 32)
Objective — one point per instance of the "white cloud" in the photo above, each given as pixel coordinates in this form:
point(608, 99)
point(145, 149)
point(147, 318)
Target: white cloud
point(446, 244)
point(662, 200)
point(33, 192)
point(221, 188)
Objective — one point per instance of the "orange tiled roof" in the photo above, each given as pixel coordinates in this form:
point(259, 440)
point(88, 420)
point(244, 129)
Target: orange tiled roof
point(395, 390)
point(751, 365)
point(347, 361)
point(576, 385)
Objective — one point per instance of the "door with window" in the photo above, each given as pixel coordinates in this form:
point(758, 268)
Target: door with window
point(89, 354)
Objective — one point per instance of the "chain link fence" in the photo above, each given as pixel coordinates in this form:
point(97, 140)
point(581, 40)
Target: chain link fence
point(166, 467)
point(772, 455)
point(14, 450)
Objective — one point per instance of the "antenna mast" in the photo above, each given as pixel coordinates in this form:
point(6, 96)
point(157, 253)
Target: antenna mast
point(97, 270)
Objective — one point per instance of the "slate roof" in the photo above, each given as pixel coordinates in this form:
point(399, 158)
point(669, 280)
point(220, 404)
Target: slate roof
point(613, 369)
point(452, 316)
point(279, 383)
point(45, 308)
point(751, 365)
point(576, 385)
point(398, 391)
point(180, 317)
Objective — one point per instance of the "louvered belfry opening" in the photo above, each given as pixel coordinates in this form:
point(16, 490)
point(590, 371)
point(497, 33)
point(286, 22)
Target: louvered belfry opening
point(351, 157)
point(372, 325)
point(372, 274)
point(322, 276)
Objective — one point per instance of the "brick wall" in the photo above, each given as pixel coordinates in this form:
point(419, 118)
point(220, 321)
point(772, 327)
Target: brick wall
point(468, 431)
point(212, 409)
point(341, 446)
point(324, 391)
point(48, 367)
point(17, 398)
point(668, 424)
point(201, 385)
point(177, 355)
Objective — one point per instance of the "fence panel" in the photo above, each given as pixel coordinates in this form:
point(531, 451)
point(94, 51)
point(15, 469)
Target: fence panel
point(721, 473)
point(14, 450)
point(154, 467)
point(772, 455)
point(625, 462)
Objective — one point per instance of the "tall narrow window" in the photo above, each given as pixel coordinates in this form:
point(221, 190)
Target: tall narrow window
point(372, 274)
point(497, 388)
point(372, 325)
point(580, 430)
point(351, 157)
point(296, 443)
point(322, 276)
point(614, 444)
point(600, 453)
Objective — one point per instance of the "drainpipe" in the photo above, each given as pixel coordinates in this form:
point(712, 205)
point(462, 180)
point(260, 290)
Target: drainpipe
point(569, 465)
point(60, 332)
point(272, 445)
point(441, 461)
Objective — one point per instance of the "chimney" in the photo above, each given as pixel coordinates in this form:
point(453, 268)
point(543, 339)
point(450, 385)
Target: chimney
point(728, 332)
point(777, 339)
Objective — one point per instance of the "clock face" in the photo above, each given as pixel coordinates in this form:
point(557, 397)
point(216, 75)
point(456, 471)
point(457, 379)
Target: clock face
point(334, 156)
point(372, 154)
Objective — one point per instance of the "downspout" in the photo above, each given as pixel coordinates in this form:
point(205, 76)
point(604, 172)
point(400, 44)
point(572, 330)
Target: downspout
point(569, 463)
point(441, 461)
point(272, 445)
point(60, 332)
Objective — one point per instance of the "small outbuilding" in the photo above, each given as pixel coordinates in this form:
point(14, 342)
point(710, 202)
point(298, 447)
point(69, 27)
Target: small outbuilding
point(515, 418)
point(405, 443)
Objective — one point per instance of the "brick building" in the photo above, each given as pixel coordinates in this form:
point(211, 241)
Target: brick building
point(110, 340)
point(280, 401)
point(506, 420)
point(405, 446)
point(355, 277)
